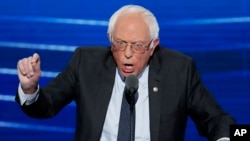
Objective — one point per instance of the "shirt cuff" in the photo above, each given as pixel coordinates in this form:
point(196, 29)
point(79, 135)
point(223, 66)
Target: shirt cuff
point(223, 139)
point(27, 99)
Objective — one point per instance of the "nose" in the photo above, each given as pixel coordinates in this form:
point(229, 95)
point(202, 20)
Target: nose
point(128, 52)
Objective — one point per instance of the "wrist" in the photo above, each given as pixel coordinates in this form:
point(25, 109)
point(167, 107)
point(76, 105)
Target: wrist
point(29, 90)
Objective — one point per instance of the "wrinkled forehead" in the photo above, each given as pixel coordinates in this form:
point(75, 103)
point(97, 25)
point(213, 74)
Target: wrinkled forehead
point(131, 26)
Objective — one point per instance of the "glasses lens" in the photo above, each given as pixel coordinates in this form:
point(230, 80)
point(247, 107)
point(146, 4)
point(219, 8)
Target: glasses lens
point(136, 47)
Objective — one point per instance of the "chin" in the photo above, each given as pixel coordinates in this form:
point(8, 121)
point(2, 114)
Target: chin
point(127, 74)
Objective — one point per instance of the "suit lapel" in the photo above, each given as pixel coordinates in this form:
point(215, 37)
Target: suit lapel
point(104, 95)
point(154, 97)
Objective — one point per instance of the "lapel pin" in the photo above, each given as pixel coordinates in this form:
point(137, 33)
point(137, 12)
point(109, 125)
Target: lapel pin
point(155, 89)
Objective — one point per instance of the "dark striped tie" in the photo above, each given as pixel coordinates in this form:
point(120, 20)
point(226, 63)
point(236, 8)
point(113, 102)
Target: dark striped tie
point(124, 124)
point(127, 119)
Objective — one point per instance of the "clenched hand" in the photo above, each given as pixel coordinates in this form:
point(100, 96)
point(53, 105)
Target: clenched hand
point(29, 73)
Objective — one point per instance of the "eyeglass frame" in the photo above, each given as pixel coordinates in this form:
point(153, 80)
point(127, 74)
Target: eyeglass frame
point(132, 45)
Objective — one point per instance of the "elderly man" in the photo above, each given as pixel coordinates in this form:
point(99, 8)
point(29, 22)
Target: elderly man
point(170, 88)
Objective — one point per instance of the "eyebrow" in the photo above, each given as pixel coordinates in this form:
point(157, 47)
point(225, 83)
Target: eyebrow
point(130, 42)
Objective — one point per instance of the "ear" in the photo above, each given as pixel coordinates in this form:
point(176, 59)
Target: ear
point(109, 36)
point(155, 44)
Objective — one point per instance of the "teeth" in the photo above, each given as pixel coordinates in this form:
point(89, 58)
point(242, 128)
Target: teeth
point(129, 67)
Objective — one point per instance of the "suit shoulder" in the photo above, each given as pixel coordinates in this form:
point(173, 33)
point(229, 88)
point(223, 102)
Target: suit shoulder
point(92, 51)
point(172, 61)
point(167, 54)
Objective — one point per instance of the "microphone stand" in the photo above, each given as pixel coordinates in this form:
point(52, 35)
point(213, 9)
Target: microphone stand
point(132, 100)
point(132, 119)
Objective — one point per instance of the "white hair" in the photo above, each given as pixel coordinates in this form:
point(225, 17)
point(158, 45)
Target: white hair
point(147, 15)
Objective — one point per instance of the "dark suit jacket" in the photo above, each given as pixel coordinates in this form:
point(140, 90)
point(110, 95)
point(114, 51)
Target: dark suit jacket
point(89, 80)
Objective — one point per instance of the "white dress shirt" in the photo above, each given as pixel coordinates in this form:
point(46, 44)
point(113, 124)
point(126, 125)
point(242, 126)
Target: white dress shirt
point(111, 124)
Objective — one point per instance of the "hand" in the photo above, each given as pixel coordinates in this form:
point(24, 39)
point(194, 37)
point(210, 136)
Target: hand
point(29, 73)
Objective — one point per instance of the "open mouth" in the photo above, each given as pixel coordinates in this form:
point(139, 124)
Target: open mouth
point(128, 68)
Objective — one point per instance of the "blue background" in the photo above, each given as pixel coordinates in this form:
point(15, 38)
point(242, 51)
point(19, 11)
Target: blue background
point(216, 33)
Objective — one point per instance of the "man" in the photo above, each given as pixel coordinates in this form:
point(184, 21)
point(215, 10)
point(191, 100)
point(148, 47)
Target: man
point(170, 88)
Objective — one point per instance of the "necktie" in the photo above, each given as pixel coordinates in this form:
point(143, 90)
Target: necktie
point(127, 119)
point(124, 123)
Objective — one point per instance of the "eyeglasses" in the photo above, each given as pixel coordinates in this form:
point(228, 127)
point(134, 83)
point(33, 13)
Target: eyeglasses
point(137, 47)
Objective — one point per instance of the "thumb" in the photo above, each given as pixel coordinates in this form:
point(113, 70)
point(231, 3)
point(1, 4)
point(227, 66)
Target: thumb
point(35, 58)
point(36, 61)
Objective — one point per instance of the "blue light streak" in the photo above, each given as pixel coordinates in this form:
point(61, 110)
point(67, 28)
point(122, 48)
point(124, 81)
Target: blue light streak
point(36, 127)
point(11, 71)
point(87, 22)
point(37, 46)
point(208, 21)
point(9, 98)
point(90, 22)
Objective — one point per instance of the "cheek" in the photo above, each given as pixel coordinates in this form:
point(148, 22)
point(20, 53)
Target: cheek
point(117, 57)
point(142, 61)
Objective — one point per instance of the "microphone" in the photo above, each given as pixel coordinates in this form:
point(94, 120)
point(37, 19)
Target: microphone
point(131, 87)
point(130, 90)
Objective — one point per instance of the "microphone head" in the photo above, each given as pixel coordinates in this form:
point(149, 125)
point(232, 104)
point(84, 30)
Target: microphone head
point(131, 84)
